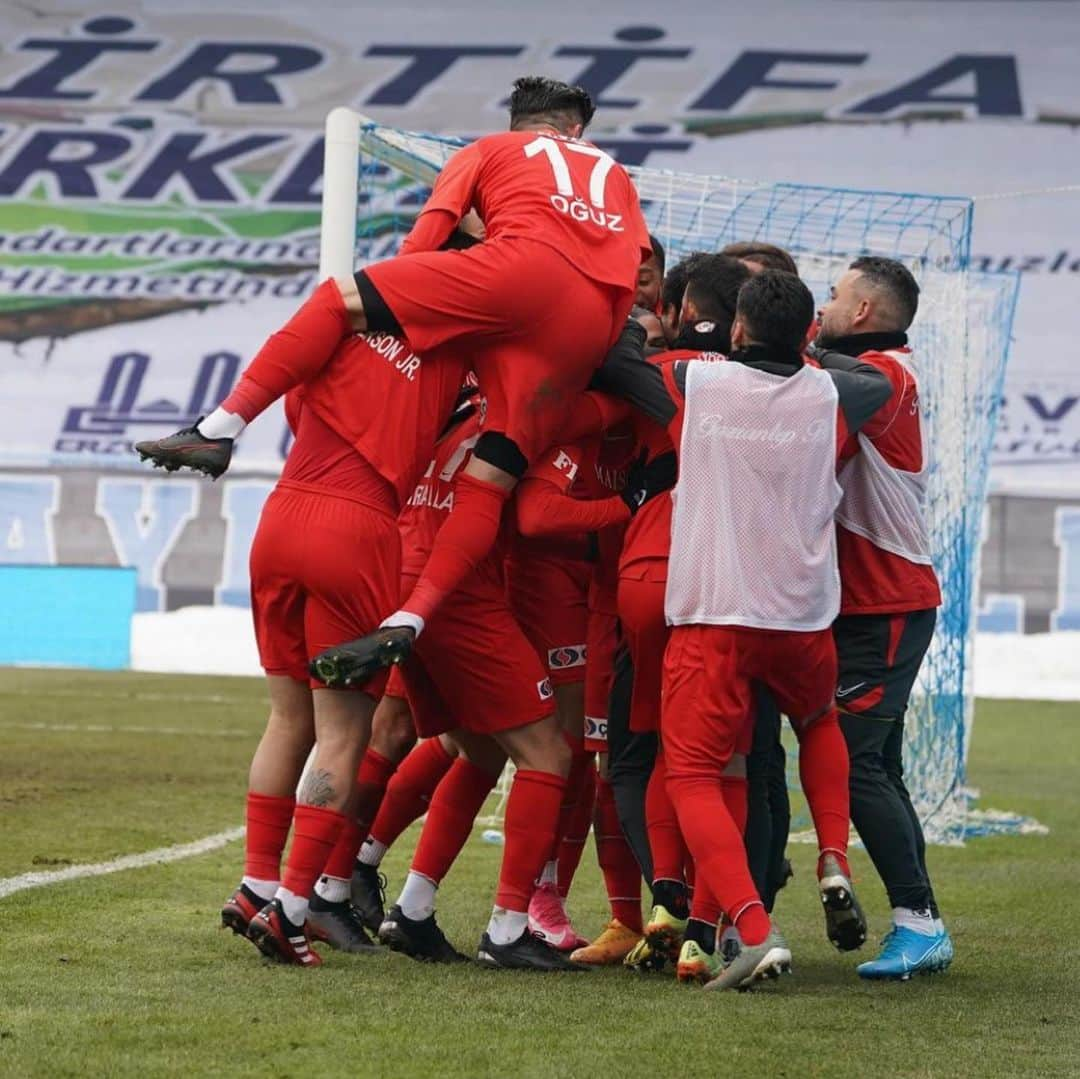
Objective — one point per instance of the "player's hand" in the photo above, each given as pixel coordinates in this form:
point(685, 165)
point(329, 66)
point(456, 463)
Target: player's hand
point(472, 226)
point(644, 481)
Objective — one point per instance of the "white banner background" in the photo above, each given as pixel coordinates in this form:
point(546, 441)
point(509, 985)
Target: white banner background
point(985, 101)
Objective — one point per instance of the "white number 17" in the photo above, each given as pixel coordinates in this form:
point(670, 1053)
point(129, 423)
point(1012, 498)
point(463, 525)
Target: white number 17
point(563, 183)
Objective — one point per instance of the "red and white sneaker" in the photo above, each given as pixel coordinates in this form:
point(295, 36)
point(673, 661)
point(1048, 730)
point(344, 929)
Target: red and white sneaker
point(278, 939)
point(550, 922)
point(239, 909)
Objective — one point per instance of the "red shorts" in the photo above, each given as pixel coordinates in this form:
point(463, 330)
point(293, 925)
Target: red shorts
point(324, 569)
point(549, 599)
point(641, 612)
point(537, 328)
point(602, 639)
point(473, 668)
point(708, 702)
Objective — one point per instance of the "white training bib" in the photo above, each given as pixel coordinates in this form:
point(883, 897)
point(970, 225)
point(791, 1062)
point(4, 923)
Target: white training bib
point(885, 504)
point(753, 541)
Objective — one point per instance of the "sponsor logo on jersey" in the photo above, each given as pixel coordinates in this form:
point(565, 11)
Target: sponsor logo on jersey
point(565, 463)
point(596, 729)
point(571, 655)
point(543, 687)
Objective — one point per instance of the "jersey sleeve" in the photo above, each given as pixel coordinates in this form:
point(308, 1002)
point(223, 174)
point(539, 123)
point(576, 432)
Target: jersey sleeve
point(881, 420)
point(450, 199)
point(627, 375)
point(544, 511)
point(545, 506)
point(558, 467)
point(861, 387)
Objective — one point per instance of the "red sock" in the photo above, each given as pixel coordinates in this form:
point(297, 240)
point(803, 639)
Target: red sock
point(666, 843)
point(532, 815)
point(371, 780)
point(714, 839)
point(466, 536)
point(736, 799)
point(293, 355)
point(823, 770)
point(575, 817)
point(409, 791)
point(315, 832)
point(454, 806)
point(268, 821)
point(705, 906)
point(340, 862)
point(752, 923)
point(622, 875)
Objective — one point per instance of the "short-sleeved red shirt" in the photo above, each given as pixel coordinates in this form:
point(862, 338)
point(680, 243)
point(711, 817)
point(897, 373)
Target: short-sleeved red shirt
point(378, 396)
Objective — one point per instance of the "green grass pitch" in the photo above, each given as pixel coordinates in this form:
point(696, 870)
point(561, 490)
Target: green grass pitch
point(128, 974)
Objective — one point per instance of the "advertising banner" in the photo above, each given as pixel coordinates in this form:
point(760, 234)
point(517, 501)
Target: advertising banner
point(160, 174)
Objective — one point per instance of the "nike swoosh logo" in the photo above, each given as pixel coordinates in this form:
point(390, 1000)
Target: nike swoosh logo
point(848, 690)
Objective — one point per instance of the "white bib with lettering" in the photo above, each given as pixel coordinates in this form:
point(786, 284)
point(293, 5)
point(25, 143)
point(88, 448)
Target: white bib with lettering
point(884, 504)
point(753, 541)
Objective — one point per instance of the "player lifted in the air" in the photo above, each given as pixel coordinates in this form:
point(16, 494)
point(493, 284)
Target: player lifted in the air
point(562, 221)
point(563, 226)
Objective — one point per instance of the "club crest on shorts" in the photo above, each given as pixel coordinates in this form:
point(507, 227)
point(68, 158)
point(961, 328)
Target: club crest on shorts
point(570, 655)
point(543, 687)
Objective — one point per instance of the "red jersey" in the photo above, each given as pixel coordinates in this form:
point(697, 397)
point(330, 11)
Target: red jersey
point(431, 503)
point(377, 396)
point(586, 479)
point(605, 462)
point(562, 192)
point(648, 536)
point(875, 581)
point(557, 468)
point(321, 460)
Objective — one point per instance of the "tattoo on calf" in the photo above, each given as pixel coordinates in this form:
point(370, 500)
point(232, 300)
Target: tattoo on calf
point(318, 789)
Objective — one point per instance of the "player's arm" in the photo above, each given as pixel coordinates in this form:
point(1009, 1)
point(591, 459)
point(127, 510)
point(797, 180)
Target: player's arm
point(545, 506)
point(450, 200)
point(627, 375)
point(862, 389)
point(544, 510)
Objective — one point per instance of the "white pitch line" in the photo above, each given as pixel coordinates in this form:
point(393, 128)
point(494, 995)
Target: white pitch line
point(186, 698)
point(129, 861)
point(103, 728)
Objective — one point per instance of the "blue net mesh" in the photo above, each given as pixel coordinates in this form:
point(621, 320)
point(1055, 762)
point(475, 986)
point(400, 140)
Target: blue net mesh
point(960, 340)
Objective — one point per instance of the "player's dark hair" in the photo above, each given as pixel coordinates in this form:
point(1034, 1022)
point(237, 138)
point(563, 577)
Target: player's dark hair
point(713, 287)
point(671, 294)
point(658, 252)
point(769, 256)
point(557, 103)
point(776, 309)
point(896, 282)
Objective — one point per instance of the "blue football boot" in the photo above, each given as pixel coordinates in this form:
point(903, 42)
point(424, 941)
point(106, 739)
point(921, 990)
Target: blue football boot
point(905, 952)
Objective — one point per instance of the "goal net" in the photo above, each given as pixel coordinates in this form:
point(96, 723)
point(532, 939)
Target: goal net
point(377, 178)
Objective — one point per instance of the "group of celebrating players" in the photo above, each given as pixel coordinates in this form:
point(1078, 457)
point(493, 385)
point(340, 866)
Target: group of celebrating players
point(547, 504)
